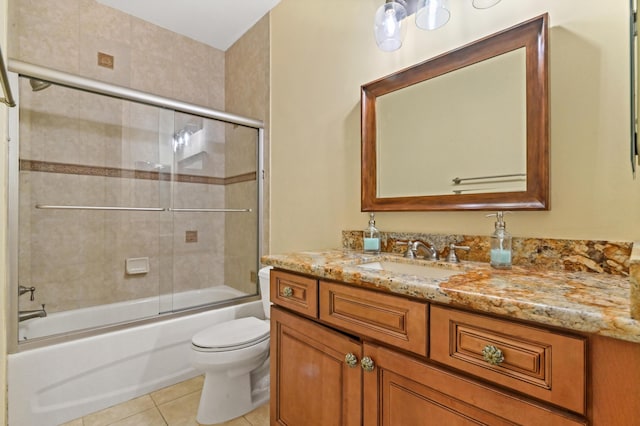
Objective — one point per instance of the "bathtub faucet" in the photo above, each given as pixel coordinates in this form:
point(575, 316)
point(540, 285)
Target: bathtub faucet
point(35, 313)
point(22, 290)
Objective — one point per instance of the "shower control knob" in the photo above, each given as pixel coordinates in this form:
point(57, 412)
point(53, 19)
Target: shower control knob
point(22, 290)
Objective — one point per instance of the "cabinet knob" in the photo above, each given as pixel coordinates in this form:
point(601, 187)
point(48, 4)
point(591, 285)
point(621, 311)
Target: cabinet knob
point(351, 360)
point(287, 292)
point(367, 364)
point(492, 355)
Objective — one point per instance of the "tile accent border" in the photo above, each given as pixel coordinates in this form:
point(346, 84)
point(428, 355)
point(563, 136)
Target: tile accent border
point(540, 253)
point(114, 172)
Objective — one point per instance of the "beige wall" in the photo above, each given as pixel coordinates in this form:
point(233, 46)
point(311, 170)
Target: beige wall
point(67, 35)
point(480, 109)
point(323, 50)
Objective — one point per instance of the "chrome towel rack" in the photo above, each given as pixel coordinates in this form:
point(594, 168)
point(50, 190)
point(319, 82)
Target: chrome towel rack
point(210, 210)
point(457, 180)
point(142, 209)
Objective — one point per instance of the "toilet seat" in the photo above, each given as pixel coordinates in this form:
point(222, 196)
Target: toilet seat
point(231, 335)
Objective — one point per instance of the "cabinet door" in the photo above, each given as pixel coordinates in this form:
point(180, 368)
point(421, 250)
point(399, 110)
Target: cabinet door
point(402, 390)
point(311, 384)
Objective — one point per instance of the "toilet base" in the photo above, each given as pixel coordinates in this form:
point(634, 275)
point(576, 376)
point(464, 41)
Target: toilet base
point(224, 398)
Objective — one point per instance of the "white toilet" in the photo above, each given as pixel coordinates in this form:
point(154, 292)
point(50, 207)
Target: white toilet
point(234, 356)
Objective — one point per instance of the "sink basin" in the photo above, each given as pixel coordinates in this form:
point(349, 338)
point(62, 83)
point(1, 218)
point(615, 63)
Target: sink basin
point(425, 271)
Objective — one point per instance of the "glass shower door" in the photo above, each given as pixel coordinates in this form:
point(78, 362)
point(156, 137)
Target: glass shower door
point(214, 206)
point(127, 210)
point(89, 210)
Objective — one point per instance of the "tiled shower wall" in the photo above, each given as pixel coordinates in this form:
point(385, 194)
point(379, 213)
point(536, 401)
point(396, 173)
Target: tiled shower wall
point(80, 247)
point(247, 94)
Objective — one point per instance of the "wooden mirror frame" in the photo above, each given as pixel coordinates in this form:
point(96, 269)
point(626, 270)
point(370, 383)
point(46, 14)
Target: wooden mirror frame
point(532, 35)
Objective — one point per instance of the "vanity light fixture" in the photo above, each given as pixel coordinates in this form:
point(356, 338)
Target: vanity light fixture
point(389, 25)
point(390, 20)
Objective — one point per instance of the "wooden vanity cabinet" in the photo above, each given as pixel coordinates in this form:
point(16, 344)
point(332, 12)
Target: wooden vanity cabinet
point(294, 292)
point(403, 390)
point(420, 378)
point(311, 384)
point(546, 365)
point(392, 320)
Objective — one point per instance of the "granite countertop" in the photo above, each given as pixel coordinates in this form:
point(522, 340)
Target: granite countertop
point(579, 301)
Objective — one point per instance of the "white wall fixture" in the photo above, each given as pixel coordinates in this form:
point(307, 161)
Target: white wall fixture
point(390, 26)
point(137, 265)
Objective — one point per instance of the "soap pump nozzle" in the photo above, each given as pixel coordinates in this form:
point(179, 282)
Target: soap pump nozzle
point(500, 223)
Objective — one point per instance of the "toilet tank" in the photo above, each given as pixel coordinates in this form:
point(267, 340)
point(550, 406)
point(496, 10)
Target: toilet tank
point(264, 279)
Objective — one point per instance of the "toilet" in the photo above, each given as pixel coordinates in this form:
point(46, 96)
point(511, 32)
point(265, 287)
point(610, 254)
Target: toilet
point(234, 357)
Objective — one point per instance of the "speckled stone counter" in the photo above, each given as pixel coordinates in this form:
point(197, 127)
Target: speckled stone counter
point(634, 277)
point(579, 301)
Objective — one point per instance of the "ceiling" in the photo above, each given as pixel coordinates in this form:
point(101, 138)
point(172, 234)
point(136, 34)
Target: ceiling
point(218, 23)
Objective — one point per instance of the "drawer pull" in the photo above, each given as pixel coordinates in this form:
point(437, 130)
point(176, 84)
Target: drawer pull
point(287, 292)
point(367, 364)
point(351, 360)
point(492, 355)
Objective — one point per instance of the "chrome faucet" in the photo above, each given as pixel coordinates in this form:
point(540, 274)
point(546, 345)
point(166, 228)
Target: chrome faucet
point(414, 246)
point(452, 257)
point(35, 313)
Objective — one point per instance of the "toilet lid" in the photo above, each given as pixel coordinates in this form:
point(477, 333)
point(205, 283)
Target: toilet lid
point(234, 334)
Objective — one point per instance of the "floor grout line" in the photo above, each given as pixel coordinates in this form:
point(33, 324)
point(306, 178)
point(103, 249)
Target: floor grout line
point(189, 390)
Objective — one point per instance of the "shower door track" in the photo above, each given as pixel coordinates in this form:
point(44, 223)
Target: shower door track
point(65, 79)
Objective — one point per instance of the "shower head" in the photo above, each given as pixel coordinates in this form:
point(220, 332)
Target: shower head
point(38, 85)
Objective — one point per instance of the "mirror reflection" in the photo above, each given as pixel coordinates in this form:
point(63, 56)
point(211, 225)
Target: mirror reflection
point(475, 112)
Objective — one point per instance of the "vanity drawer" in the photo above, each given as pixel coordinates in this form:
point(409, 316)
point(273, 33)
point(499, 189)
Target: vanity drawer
point(388, 319)
point(543, 364)
point(294, 292)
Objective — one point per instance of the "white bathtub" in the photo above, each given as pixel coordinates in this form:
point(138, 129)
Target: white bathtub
point(101, 315)
point(61, 382)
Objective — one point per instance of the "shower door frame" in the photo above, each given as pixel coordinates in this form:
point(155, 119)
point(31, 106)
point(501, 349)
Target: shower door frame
point(23, 69)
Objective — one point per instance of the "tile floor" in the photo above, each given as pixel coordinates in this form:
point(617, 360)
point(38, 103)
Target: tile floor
point(172, 406)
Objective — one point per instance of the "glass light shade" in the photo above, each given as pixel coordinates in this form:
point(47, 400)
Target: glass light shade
point(389, 26)
point(484, 4)
point(432, 14)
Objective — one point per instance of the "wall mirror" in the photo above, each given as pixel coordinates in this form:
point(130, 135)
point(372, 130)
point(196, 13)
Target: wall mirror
point(467, 130)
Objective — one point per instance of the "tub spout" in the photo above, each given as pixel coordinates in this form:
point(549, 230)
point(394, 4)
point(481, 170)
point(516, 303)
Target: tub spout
point(35, 313)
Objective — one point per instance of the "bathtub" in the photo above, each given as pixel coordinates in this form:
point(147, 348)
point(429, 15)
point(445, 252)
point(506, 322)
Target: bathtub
point(101, 315)
point(53, 384)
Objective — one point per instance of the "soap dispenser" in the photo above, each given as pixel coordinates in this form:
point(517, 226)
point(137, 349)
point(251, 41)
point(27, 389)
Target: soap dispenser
point(371, 237)
point(500, 244)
